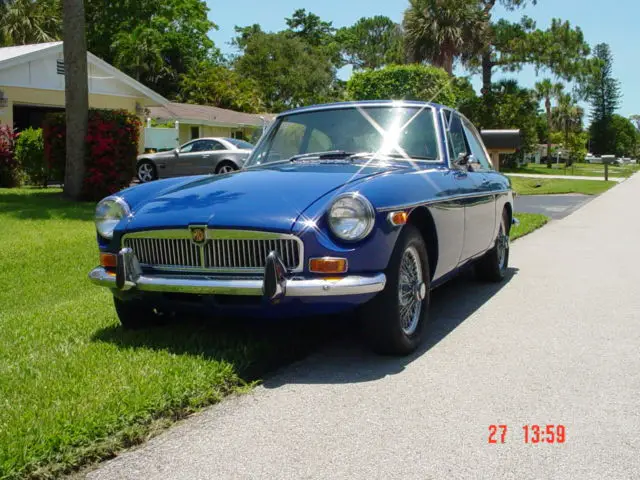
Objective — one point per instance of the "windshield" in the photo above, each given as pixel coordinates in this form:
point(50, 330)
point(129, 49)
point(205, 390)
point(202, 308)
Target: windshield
point(240, 143)
point(399, 131)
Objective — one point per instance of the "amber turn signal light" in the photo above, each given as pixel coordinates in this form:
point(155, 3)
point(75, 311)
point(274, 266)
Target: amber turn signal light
point(398, 218)
point(328, 265)
point(108, 260)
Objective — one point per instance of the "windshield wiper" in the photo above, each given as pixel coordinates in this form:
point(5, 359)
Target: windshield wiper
point(329, 155)
point(381, 156)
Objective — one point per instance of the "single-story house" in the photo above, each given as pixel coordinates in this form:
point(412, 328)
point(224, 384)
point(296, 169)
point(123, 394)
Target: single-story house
point(32, 84)
point(197, 121)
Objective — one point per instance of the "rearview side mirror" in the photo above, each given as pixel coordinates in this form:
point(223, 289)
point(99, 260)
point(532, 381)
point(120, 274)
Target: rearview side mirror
point(465, 159)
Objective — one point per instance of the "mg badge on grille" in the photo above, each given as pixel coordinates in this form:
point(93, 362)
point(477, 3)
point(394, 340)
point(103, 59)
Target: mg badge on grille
point(198, 235)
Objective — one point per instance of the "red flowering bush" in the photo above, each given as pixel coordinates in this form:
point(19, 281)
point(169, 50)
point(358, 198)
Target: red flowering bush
point(10, 175)
point(110, 155)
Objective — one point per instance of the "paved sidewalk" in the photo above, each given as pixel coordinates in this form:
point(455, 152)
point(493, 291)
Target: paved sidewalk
point(559, 343)
point(566, 177)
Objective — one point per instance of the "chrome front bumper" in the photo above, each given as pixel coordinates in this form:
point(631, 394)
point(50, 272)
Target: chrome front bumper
point(129, 277)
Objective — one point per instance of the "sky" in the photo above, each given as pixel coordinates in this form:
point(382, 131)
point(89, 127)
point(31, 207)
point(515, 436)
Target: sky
point(615, 22)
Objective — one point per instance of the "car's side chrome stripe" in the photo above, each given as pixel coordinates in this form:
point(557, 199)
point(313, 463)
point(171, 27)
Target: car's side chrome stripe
point(450, 198)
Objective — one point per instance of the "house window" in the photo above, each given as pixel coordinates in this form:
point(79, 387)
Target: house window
point(239, 134)
point(195, 132)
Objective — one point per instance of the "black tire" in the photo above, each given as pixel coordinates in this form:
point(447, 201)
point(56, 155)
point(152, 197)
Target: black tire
point(226, 164)
point(146, 171)
point(492, 267)
point(135, 315)
point(381, 318)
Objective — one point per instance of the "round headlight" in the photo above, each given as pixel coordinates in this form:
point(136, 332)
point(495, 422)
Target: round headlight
point(109, 212)
point(351, 217)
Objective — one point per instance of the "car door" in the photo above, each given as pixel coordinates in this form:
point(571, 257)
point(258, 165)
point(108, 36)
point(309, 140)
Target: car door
point(215, 151)
point(188, 158)
point(463, 184)
point(480, 216)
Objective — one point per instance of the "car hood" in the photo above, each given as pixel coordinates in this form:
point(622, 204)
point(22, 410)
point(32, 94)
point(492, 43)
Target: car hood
point(260, 198)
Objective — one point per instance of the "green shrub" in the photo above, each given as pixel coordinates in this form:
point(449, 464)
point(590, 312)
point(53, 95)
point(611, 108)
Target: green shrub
point(10, 175)
point(403, 82)
point(110, 154)
point(30, 156)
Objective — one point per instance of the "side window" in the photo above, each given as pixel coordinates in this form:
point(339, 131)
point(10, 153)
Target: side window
point(475, 143)
point(457, 144)
point(188, 147)
point(200, 146)
point(213, 145)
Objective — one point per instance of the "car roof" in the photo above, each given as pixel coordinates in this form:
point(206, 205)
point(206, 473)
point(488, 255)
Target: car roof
point(368, 103)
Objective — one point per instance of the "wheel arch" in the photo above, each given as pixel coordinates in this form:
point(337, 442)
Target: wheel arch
point(421, 218)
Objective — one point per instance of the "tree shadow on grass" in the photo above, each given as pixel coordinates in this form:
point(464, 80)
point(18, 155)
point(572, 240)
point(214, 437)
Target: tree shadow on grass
point(259, 348)
point(41, 204)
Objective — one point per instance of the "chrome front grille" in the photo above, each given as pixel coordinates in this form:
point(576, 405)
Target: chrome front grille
point(219, 253)
point(224, 251)
point(166, 251)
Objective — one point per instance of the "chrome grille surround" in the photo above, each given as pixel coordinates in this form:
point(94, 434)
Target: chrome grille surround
point(224, 251)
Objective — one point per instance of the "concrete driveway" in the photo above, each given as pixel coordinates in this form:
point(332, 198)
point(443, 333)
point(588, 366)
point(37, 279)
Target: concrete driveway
point(553, 206)
point(558, 343)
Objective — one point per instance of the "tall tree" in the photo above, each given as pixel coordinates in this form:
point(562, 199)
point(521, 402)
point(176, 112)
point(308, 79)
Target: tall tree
point(133, 32)
point(603, 92)
point(567, 115)
point(545, 91)
point(372, 43)
point(319, 34)
point(443, 31)
point(219, 86)
point(286, 69)
point(76, 94)
point(626, 136)
point(508, 46)
point(24, 22)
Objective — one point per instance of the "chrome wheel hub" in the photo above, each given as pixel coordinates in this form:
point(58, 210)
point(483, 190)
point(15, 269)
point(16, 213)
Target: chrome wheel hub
point(226, 169)
point(411, 290)
point(145, 172)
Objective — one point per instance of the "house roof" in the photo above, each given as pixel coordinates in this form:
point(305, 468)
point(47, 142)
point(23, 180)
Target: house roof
point(11, 56)
point(206, 115)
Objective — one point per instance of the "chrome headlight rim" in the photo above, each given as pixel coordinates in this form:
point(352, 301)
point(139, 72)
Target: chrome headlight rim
point(370, 216)
point(125, 211)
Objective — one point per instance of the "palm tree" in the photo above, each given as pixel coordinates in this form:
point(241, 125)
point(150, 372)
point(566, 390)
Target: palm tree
point(567, 115)
point(76, 94)
point(441, 31)
point(23, 22)
point(546, 90)
point(138, 52)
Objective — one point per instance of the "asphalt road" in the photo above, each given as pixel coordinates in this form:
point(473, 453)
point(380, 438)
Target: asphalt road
point(553, 206)
point(558, 343)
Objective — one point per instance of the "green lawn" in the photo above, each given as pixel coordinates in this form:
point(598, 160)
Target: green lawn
point(74, 387)
point(547, 186)
point(579, 169)
point(528, 223)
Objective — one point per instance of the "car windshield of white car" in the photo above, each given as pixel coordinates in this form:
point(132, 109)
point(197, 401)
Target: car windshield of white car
point(399, 132)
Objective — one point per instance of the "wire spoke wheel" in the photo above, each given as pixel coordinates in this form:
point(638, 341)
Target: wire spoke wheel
point(502, 245)
point(411, 290)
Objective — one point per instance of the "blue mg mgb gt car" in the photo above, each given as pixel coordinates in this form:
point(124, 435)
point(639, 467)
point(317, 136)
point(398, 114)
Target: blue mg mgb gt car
point(365, 206)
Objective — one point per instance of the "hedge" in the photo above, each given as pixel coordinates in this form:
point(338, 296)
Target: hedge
point(10, 175)
point(110, 154)
point(30, 156)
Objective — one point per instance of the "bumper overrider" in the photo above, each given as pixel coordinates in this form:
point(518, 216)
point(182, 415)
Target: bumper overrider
point(276, 283)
